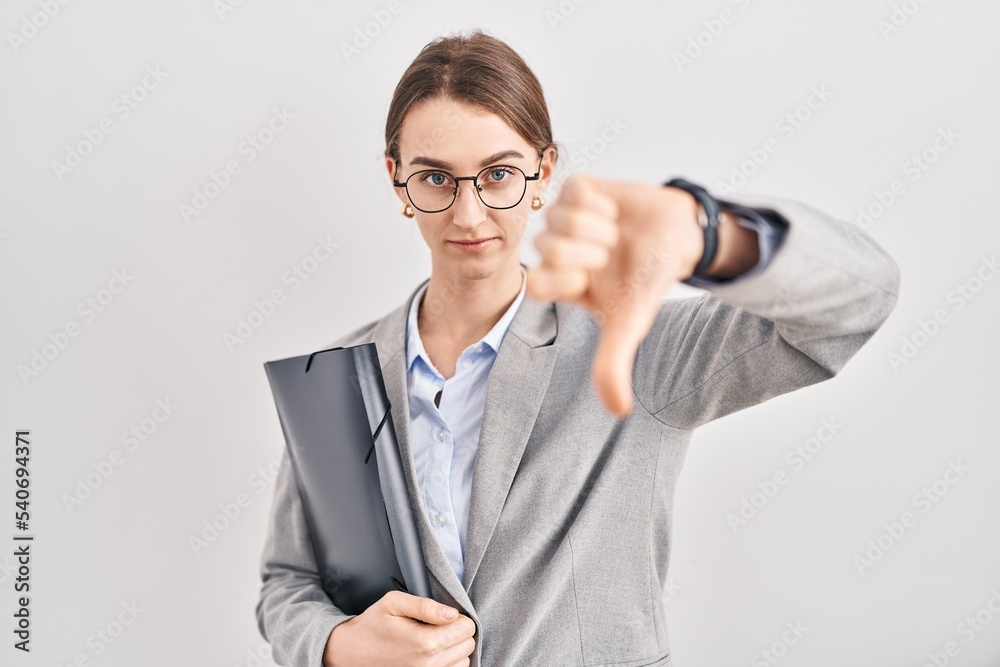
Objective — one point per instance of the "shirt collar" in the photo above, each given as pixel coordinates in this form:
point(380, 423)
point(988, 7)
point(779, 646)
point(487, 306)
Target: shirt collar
point(415, 346)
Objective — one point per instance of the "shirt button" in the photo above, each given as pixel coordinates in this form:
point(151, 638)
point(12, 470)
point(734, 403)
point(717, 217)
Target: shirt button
point(442, 434)
point(479, 348)
point(440, 518)
point(466, 363)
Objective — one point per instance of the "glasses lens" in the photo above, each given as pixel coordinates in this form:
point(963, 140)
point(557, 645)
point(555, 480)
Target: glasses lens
point(501, 186)
point(431, 190)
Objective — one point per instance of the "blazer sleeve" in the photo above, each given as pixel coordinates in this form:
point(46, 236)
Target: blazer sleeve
point(770, 230)
point(796, 322)
point(294, 613)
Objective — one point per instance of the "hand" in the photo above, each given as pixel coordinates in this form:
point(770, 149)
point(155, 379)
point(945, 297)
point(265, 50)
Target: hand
point(616, 248)
point(402, 629)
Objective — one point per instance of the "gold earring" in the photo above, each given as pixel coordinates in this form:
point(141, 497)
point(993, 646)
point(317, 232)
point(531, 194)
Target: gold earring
point(537, 203)
point(408, 211)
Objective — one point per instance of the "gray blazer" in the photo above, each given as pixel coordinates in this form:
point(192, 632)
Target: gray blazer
point(570, 514)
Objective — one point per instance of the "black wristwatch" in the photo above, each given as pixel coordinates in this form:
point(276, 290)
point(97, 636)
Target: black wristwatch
point(708, 216)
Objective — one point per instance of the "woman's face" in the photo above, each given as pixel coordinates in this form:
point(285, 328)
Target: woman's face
point(451, 136)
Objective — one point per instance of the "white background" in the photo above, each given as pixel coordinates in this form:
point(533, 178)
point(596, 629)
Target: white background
point(162, 336)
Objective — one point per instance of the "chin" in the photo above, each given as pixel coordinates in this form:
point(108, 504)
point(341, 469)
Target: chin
point(477, 265)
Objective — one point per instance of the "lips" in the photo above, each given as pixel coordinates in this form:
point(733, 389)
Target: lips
point(478, 245)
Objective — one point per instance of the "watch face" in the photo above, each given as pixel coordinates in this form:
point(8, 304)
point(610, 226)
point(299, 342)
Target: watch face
point(702, 216)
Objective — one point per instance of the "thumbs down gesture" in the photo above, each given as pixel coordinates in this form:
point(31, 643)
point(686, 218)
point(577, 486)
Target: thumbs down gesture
point(615, 249)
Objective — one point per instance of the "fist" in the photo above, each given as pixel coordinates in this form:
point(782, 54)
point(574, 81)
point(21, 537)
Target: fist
point(615, 249)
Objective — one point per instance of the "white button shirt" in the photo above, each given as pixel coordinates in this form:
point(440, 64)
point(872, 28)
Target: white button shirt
point(445, 438)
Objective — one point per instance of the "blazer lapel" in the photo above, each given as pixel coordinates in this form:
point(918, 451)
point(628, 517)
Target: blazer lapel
point(390, 340)
point(514, 392)
point(516, 386)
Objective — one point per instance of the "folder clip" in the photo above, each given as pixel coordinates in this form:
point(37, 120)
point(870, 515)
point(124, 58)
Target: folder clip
point(387, 408)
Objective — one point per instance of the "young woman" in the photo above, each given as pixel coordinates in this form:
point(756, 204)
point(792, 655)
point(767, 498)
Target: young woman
point(542, 435)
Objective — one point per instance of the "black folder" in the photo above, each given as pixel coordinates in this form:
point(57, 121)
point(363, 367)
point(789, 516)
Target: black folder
point(335, 416)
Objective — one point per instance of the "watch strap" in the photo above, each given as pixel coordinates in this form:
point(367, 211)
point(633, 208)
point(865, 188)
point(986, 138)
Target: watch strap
point(709, 209)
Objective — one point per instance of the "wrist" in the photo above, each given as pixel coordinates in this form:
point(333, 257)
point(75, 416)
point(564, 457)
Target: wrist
point(707, 217)
point(738, 248)
point(680, 211)
point(728, 249)
point(330, 651)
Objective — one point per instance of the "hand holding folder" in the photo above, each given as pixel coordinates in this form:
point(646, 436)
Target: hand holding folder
point(336, 419)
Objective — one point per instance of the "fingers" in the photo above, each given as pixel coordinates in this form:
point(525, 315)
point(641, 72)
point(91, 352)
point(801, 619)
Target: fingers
point(419, 608)
point(551, 284)
point(563, 271)
point(583, 193)
point(595, 221)
point(459, 653)
point(614, 358)
point(448, 643)
point(612, 375)
point(581, 231)
point(565, 252)
point(584, 259)
point(582, 213)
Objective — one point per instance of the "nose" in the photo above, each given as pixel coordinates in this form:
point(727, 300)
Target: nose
point(468, 210)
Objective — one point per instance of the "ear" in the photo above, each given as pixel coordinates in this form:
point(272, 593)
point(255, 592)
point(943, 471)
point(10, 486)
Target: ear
point(547, 169)
point(390, 166)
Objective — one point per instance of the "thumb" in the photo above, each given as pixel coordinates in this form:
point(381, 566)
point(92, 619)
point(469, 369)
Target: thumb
point(613, 361)
point(420, 608)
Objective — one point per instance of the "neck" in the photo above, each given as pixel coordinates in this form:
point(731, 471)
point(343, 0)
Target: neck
point(460, 308)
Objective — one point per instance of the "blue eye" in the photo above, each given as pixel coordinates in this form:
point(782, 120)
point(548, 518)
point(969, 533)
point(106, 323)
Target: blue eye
point(437, 179)
point(497, 175)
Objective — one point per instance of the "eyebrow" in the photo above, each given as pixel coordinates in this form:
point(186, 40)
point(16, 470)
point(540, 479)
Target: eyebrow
point(439, 164)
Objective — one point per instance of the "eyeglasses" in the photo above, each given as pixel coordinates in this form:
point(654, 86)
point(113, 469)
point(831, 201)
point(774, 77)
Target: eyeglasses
point(499, 186)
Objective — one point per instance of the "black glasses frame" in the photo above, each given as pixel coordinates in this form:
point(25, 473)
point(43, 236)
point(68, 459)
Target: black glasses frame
point(475, 182)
